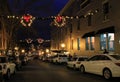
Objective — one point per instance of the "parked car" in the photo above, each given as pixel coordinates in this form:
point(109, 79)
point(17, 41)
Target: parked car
point(59, 59)
point(8, 68)
point(106, 65)
point(76, 61)
point(16, 60)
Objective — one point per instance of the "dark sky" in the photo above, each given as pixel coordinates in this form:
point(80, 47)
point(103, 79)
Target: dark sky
point(38, 8)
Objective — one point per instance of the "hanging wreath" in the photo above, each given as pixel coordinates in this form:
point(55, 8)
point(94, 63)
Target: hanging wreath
point(29, 40)
point(40, 40)
point(27, 20)
point(59, 21)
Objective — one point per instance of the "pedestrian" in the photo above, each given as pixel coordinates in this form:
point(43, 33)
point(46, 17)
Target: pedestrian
point(105, 51)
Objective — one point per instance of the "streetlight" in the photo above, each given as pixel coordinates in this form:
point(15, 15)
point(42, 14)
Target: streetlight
point(62, 46)
point(47, 50)
point(23, 51)
point(16, 48)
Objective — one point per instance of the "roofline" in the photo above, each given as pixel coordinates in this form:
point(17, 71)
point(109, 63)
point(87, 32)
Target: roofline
point(66, 6)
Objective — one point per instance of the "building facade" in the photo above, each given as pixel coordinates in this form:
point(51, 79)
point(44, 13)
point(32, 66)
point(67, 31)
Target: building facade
point(94, 26)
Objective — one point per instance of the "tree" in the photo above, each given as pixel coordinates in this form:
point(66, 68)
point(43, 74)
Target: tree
point(8, 26)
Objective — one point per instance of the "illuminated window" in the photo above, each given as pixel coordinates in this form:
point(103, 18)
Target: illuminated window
point(111, 41)
point(78, 43)
point(72, 44)
point(90, 43)
point(103, 38)
point(107, 41)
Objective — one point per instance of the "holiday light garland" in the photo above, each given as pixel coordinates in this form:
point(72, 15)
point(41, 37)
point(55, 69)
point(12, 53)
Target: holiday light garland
point(27, 20)
point(59, 21)
point(40, 40)
point(29, 40)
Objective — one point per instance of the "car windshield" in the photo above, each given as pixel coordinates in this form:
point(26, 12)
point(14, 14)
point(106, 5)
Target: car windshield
point(117, 57)
point(3, 60)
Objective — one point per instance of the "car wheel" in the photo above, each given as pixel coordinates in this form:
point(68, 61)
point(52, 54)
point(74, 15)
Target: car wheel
point(82, 69)
point(107, 74)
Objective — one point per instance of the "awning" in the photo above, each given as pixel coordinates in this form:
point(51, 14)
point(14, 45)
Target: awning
point(89, 34)
point(106, 30)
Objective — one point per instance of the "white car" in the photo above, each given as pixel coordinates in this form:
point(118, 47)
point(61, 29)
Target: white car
point(59, 59)
point(106, 65)
point(76, 61)
point(8, 68)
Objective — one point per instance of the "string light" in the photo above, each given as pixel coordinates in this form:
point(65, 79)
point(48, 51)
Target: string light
point(59, 21)
point(27, 20)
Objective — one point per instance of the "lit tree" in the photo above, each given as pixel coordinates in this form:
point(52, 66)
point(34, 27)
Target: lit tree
point(8, 25)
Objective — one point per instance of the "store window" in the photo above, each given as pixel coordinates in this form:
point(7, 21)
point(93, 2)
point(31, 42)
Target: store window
point(107, 41)
point(90, 43)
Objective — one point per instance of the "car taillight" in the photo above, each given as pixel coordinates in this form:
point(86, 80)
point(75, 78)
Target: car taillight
point(118, 64)
point(4, 66)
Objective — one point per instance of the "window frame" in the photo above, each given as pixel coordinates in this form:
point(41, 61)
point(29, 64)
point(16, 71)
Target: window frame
point(106, 42)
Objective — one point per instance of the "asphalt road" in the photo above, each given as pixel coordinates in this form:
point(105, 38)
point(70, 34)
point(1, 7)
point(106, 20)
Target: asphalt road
point(38, 71)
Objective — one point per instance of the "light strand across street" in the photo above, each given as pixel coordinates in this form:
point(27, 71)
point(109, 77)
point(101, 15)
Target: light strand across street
point(59, 20)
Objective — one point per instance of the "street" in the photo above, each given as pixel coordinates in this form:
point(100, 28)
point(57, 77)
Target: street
point(38, 71)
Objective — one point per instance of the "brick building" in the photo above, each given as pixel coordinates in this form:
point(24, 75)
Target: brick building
point(94, 26)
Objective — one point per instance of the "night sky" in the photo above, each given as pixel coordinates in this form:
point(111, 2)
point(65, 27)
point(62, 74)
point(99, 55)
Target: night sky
point(38, 8)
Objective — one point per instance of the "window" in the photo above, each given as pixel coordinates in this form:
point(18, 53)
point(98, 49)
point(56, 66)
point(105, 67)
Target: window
point(78, 26)
point(78, 43)
point(90, 41)
point(117, 57)
point(107, 41)
point(106, 10)
point(111, 41)
point(94, 58)
point(102, 57)
point(72, 45)
point(103, 41)
point(89, 20)
point(71, 29)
